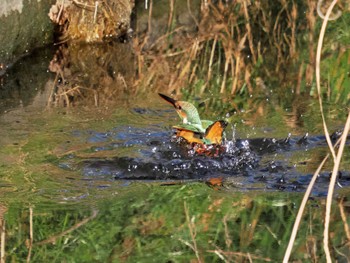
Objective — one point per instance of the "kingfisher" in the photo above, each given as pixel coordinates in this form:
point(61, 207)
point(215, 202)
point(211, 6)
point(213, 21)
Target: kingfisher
point(192, 128)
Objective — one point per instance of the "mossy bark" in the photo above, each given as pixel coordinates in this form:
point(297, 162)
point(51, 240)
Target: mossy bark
point(25, 26)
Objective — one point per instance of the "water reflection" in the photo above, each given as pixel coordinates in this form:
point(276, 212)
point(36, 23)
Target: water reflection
point(28, 82)
point(91, 74)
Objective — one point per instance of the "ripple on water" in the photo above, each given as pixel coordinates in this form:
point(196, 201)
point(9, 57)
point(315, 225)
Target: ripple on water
point(131, 153)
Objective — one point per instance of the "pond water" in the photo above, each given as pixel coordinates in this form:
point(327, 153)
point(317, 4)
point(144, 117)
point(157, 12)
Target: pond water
point(108, 182)
point(98, 183)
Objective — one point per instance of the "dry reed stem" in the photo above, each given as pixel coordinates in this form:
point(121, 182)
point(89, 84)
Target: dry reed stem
point(171, 13)
point(212, 58)
point(332, 184)
point(344, 219)
point(235, 75)
point(187, 243)
point(76, 226)
point(273, 234)
point(149, 26)
point(174, 54)
point(237, 52)
point(165, 36)
point(53, 89)
point(249, 31)
point(311, 21)
point(247, 75)
point(95, 13)
point(204, 5)
point(140, 61)
point(218, 253)
point(336, 158)
point(311, 246)
point(60, 12)
point(319, 12)
point(30, 234)
point(301, 211)
point(192, 229)
point(84, 5)
point(190, 12)
point(193, 74)
point(249, 256)
point(277, 41)
point(223, 84)
point(228, 239)
point(192, 56)
point(318, 61)
point(293, 15)
point(3, 240)
point(300, 77)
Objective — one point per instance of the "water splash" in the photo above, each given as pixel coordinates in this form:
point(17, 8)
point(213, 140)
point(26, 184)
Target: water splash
point(130, 153)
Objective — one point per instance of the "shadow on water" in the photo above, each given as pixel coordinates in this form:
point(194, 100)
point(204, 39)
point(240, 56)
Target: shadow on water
point(90, 170)
point(22, 85)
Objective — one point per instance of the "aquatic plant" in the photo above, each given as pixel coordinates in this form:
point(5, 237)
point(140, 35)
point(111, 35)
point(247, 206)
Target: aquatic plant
point(239, 47)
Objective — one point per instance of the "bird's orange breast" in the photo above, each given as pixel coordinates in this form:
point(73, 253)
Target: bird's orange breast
point(189, 136)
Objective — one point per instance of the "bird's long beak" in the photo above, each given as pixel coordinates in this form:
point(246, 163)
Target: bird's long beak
point(168, 99)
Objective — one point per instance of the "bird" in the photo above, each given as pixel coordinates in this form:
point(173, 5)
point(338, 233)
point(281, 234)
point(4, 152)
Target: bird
point(188, 114)
point(192, 128)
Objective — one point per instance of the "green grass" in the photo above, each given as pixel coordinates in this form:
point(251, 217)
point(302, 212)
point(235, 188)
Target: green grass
point(148, 223)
